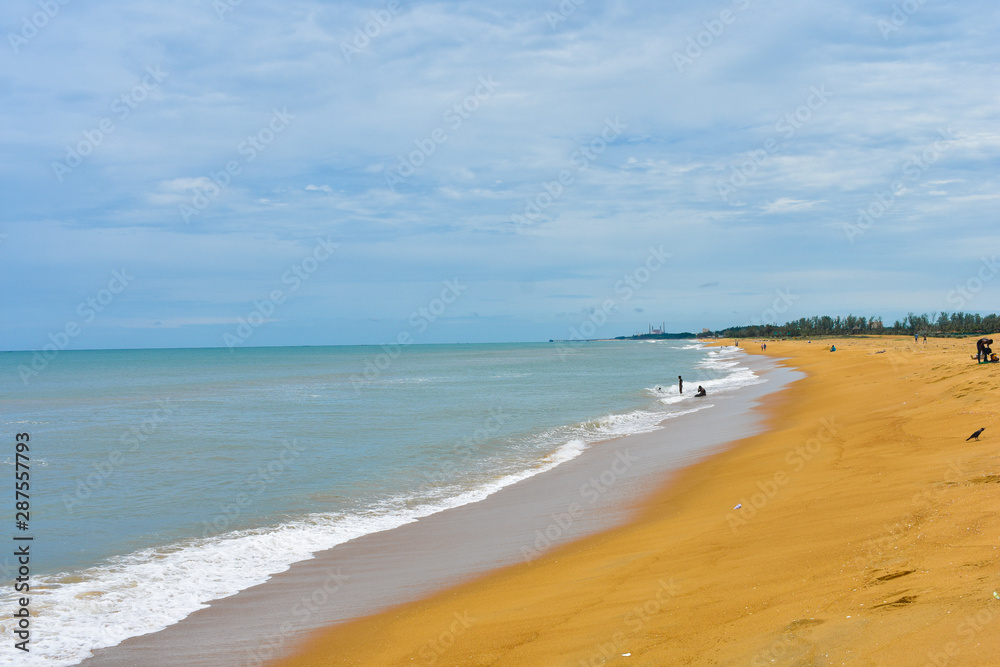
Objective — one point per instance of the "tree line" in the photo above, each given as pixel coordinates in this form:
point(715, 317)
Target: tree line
point(935, 324)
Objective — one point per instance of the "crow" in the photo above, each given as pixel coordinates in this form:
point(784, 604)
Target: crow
point(975, 435)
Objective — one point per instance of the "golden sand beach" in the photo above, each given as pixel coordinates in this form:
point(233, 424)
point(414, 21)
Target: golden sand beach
point(861, 528)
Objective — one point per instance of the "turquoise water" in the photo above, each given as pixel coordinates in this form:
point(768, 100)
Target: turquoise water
point(162, 479)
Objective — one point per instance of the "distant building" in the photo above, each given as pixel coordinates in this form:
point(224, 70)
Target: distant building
point(659, 331)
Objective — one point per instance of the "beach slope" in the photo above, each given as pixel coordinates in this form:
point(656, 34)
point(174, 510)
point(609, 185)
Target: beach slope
point(861, 528)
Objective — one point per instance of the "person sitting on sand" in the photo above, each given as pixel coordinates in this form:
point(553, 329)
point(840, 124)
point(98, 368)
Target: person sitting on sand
point(833, 348)
point(701, 391)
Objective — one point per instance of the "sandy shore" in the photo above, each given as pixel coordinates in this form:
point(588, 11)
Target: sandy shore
point(866, 533)
point(604, 487)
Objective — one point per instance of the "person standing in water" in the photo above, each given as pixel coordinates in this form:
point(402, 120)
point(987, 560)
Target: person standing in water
point(680, 385)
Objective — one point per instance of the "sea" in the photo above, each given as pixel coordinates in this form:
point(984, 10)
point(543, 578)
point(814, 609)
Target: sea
point(161, 480)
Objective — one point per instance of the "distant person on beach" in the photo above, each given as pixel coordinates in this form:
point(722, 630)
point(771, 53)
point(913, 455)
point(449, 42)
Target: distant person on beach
point(983, 350)
point(701, 391)
point(680, 385)
point(916, 338)
point(833, 348)
point(925, 339)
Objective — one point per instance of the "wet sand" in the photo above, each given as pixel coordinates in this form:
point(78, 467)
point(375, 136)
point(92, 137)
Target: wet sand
point(602, 488)
point(859, 528)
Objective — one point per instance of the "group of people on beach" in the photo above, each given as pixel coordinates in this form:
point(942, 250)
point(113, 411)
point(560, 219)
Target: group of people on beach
point(680, 388)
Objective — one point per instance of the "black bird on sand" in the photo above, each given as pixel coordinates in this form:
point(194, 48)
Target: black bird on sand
point(975, 435)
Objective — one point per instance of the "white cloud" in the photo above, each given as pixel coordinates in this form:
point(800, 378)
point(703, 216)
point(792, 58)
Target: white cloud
point(786, 205)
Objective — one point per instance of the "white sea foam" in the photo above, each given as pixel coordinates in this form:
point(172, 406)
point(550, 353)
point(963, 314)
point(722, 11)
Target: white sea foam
point(151, 589)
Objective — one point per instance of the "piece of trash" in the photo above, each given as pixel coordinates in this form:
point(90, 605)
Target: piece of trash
point(738, 505)
point(625, 655)
point(996, 595)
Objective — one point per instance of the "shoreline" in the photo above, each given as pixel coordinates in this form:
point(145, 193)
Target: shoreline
point(856, 528)
point(382, 570)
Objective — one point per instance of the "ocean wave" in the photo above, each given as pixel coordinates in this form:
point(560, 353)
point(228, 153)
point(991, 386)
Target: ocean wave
point(151, 589)
point(10, 461)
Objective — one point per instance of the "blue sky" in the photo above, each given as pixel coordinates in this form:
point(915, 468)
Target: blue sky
point(308, 172)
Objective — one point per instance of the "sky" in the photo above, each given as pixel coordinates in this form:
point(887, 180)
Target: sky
point(235, 173)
